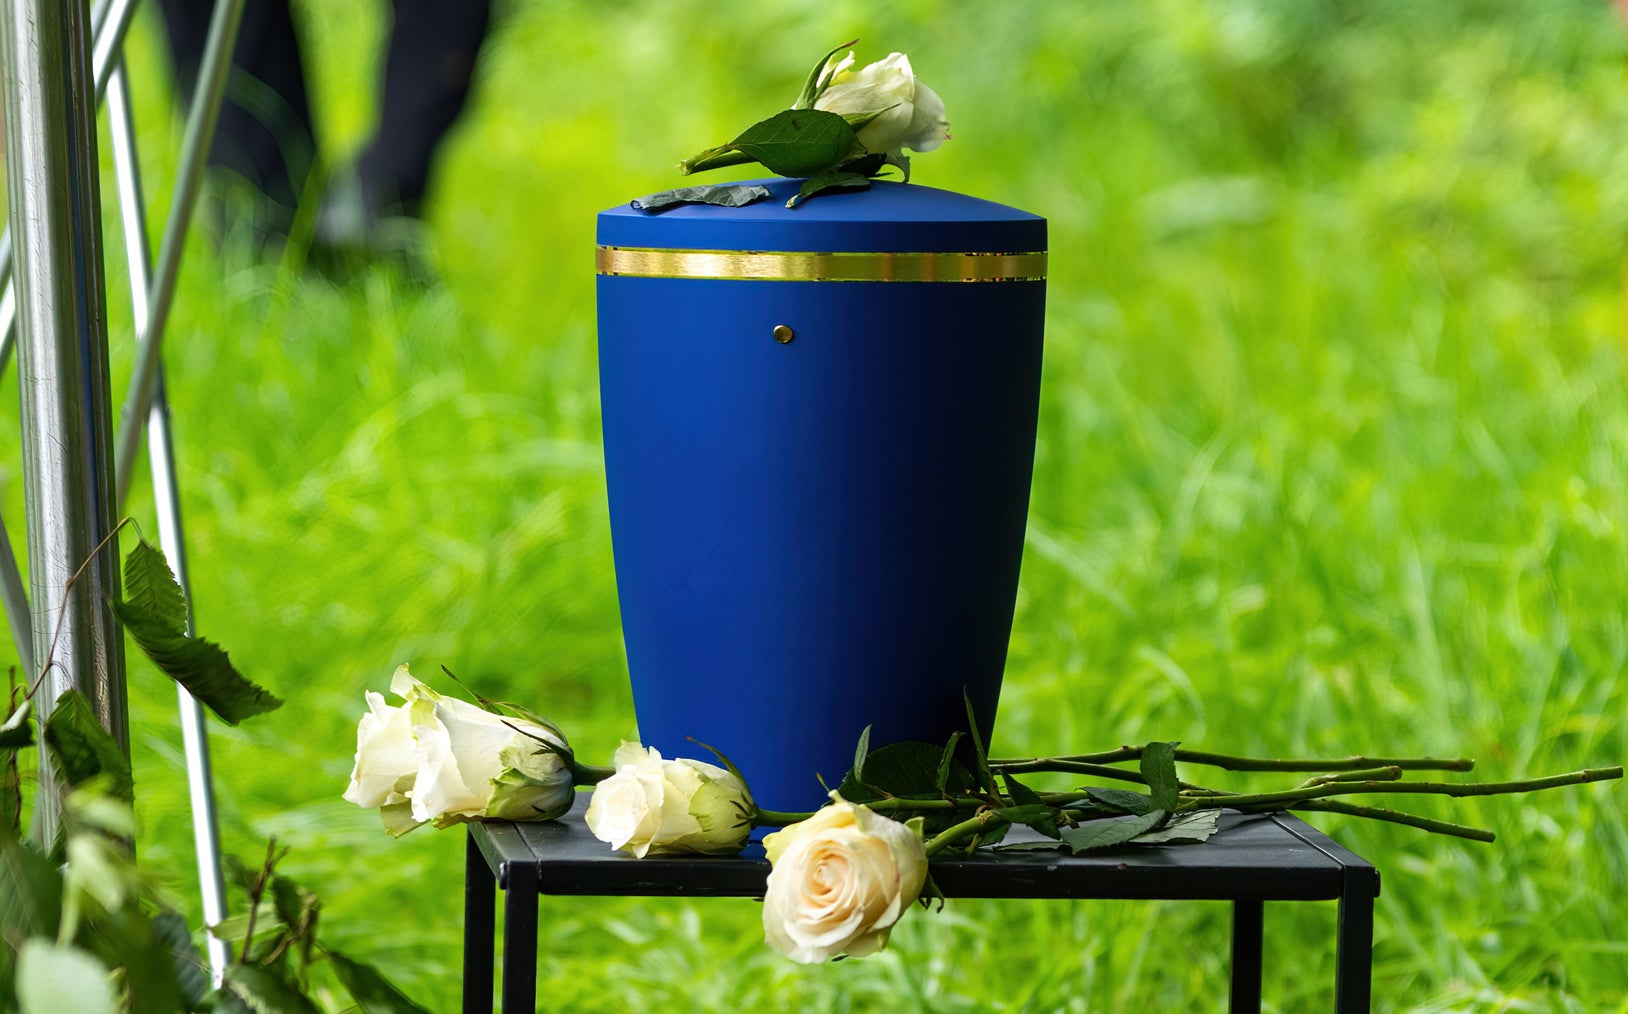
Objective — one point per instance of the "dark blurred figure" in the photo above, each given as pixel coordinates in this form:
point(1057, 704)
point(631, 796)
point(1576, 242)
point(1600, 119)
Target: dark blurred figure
point(265, 136)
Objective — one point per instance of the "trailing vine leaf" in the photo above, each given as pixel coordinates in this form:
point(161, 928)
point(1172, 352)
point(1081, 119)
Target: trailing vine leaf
point(836, 179)
point(372, 992)
point(799, 142)
point(191, 972)
point(82, 750)
point(266, 991)
point(197, 664)
point(1159, 768)
point(1184, 829)
point(1123, 800)
point(30, 892)
point(727, 195)
point(1101, 834)
point(16, 732)
point(150, 587)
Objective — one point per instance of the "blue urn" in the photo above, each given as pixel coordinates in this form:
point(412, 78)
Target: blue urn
point(819, 431)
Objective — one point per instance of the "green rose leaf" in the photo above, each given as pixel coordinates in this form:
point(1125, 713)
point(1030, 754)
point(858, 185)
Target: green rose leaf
point(834, 180)
point(726, 195)
point(1101, 834)
point(799, 142)
point(1159, 768)
point(373, 993)
point(907, 768)
point(1124, 800)
point(1032, 813)
point(81, 749)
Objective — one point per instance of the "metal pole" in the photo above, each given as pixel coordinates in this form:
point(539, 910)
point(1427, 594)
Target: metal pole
point(206, 100)
point(167, 495)
point(55, 210)
point(111, 20)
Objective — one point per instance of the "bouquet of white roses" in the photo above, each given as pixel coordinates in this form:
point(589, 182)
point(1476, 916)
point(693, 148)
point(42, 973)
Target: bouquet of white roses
point(842, 876)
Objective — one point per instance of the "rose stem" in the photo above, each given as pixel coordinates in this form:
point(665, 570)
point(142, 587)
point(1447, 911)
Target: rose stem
point(1397, 817)
point(972, 825)
point(1229, 762)
point(589, 774)
point(1266, 799)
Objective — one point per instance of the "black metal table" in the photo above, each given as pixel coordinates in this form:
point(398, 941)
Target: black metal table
point(1251, 860)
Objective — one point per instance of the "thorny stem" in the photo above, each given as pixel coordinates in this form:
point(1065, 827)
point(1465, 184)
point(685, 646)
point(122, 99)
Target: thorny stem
point(1397, 817)
point(976, 825)
point(1230, 762)
point(1263, 800)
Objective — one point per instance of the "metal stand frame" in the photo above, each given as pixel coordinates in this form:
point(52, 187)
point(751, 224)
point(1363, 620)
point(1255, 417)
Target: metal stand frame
point(74, 485)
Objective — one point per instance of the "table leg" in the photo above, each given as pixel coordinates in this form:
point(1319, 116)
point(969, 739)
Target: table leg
point(1246, 956)
point(480, 890)
point(520, 939)
point(1354, 965)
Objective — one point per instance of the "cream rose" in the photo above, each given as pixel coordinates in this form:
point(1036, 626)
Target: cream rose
point(651, 805)
point(439, 759)
point(909, 114)
point(839, 881)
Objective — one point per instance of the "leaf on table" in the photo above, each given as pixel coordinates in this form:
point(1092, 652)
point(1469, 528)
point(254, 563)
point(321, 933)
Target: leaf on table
point(1159, 769)
point(1101, 834)
point(198, 665)
point(370, 989)
point(726, 195)
point(1184, 829)
point(82, 750)
point(1028, 814)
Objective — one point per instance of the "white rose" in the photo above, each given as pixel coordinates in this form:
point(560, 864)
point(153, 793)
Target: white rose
point(839, 881)
point(447, 761)
point(652, 805)
point(911, 115)
point(386, 756)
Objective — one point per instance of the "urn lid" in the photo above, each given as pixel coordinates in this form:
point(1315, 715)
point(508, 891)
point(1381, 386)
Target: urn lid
point(889, 217)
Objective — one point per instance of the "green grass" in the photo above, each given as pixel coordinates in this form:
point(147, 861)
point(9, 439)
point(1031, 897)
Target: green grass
point(1333, 458)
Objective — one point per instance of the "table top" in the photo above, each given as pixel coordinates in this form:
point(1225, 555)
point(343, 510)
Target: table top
point(1268, 857)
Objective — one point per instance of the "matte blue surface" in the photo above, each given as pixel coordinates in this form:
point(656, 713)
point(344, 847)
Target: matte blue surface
point(819, 536)
point(887, 218)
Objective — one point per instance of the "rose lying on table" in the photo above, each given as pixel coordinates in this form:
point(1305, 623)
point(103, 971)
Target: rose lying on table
point(842, 876)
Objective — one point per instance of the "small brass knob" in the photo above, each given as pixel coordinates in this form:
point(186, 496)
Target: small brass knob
point(783, 334)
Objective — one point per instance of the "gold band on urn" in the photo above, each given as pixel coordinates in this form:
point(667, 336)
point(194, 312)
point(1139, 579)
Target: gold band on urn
point(803, 266)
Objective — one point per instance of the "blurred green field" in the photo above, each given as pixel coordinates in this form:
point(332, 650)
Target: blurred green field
point(1333, 458)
